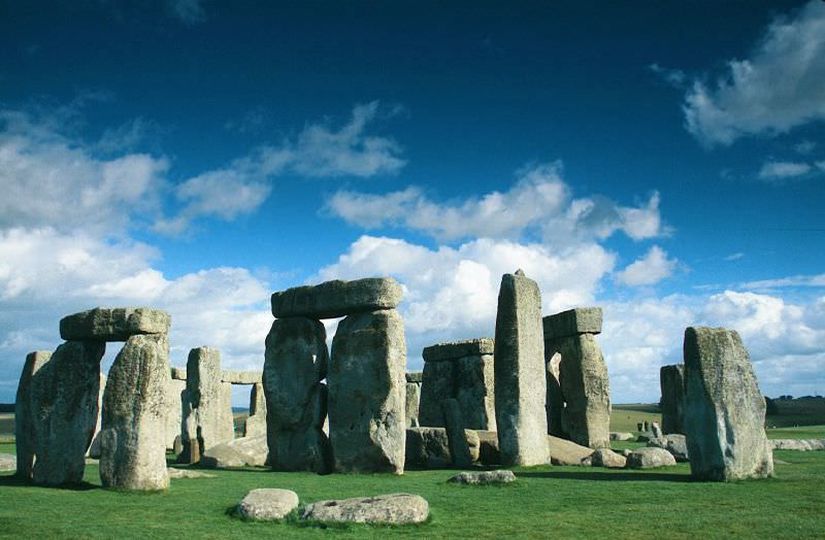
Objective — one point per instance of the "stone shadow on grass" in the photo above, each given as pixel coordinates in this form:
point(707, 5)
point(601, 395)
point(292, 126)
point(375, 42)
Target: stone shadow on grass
point(14, 481)
point(628, 476)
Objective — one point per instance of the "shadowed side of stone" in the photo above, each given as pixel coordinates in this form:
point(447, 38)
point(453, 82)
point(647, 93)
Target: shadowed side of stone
point(337, 298)
point(672, 385)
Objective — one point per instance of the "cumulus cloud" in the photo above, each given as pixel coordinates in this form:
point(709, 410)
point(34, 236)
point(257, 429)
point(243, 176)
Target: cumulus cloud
point(648, 270)
point(817, 280)
point(782, 170)
point(538, 202)
point(777, 88)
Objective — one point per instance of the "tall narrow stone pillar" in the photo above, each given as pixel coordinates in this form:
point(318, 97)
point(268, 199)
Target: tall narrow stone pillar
point(24, 418)
point(672, 383)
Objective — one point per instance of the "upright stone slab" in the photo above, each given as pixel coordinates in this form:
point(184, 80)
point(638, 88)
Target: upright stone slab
point(94, 447)
point(366, 393)
point(209, 421)
point(437, 384)
point(255, 424)
point(174, 409)
point(295, 363)
point(118, 324)
point(459, 449)
point(337, 298)
point(724, 411)
point(520, 385)
point(64, 406)
point(133, 438)
point(24, 418)
point(413, 399)
point(672, 383)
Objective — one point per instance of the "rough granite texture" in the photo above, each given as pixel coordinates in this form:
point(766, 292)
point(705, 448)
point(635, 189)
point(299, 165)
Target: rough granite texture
point(267, 504)
point(429, 447)
point(573, 322)
point(437, 384)
point(242, 452)
point(241, 377)
point(337, 298)
point(296, 360)
point(115, 324)
point(411, 403)
point(394, 509)
point(65, 392)
point(458, 349)
point(520, 383)
point(132, 439)
point(650, 458)
point(724, 411)
point(672, 384)
point(459, 449)
point(483, 477)
point(24, 419)
point(367, 390)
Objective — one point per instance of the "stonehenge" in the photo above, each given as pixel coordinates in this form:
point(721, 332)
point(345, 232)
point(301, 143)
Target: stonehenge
point(24, 425)
point(672, 384)
point(724, 411)
point(412, 403)
point(520, 383)
point(461, 370)
point(577, 380)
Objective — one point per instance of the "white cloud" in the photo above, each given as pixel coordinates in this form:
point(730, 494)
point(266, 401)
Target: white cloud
point(648, 270)
point(777, 88)
point(538, 201)
point(817, 280)
point(782, 170)
point(735, 256)
point(674, 77)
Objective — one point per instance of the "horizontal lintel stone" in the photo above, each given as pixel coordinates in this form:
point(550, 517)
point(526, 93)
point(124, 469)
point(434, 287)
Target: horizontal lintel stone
point(414, 376)
point(573, 322)
point(458, 349)
point(337, 298)
point(241, 377)
point(113, 324)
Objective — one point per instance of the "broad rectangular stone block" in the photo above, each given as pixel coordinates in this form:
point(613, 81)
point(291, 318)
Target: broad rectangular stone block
point(458, 349)
point(242, 377)
point(573, 322)
point(337, 298)
point(118, 324)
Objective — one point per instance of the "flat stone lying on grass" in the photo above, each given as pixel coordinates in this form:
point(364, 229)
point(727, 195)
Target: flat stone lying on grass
point(564, 452)
point(8, 462)
point(119, 324)
point(650, 458)
point(604, 457)
point(394, 509)
point(802, 445)
point(673, 443)
point(621, 436)
point(267, 504)
point(243, 452)
point(176, 474)
point(483, 477)
point(337, 298)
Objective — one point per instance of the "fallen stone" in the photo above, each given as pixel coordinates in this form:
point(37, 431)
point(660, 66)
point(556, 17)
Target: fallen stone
point(724, 411)
point(24, 419)
point(650, 458)
point(604, 457)
point(564, 452)
point(674, 443)
point(520, 383)
point(672, 385)
point(133, 434)
point(393, 509)
point(483, 477)
point(8, 462)
point(337, 298)
point(119, 324)
point(242, 452)
point(64, 405)
point(241, 377)
point(573, 322)
point(296, 360)
point(621, 436)
point(176, 474)
point(458, 349)
point(267, 504)
point(367, 393)
point(801, 445)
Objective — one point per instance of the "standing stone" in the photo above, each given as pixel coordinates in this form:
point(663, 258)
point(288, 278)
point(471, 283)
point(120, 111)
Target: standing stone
point(366, 393)
point(24, 418)
point(724, 411)
point(295, 363)
point(208, 419)
point(133, 438)
point(459, 449)
point(413, 399)
point(255, 424)
point(555, 400)
point(174, 410)
point(436, 385)
point(672, 383)
point(94, 447)
point(64, 405)
point(520, 384)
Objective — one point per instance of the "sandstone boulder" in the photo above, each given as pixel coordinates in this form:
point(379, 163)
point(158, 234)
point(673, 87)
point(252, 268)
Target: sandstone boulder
point(724, 411)
point(483, 477)
point(429, 448)
point(243, 452)
point(103, 324)
point(621, 436)
point(674, 443)
point(24, 419)
point(604, 457)
point(564, 452)
point(337, 298)
point(267, 504)
point(573, 322)
point(393, 509)
point(520, 384)
point(649, 458)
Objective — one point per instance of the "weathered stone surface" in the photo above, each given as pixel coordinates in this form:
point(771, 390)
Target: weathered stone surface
point(64, 405)
point(132, 439)
point(366, 393)
point(656, 430)
point(604, 457)
point(674, 443)
point(411, 403)
point(458, 349)
point(396, 509)
point(520, 384)
point(489, 453)
point(649, 458)
point(118, 324)
point(564, 452)
point(621, 436)
point(427, 448)
point(475, 391)
point(414, 376)
point(8, 462)
point(241, 377)
point(176, 474)
point(267, 504)
point(24, 418)
point(174, 408)
point(724, 411)
point(459, 449)
point(573, 322)
point(586, 390)
point(801, 445)
point(94, 447)
point(207, 410)
point(243, 452)
point(296, 361)
point(179, 374)
point(483, 477)
point(672, 384)
point(337, 298)
point(554, 403)
point(255, 424)
point(437, 384)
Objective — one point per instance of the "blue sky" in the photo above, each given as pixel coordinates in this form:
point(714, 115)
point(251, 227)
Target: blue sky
point(664, 160)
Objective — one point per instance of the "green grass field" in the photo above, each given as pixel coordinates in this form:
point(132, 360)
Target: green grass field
point(558, 502)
